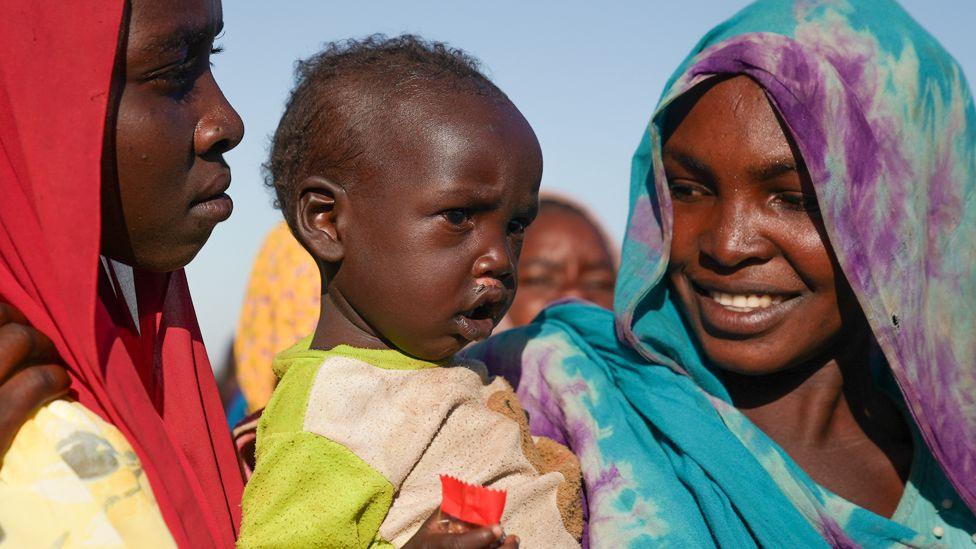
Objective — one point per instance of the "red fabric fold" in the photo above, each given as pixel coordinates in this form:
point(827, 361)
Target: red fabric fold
point(56, 61)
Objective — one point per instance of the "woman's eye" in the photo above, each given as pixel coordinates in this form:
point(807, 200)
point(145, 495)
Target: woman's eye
point(539, 281)
point(215, 50)
point(799, 201)
point(687, 191)
point(177, 80)
point(599, 285)
point(457, 217)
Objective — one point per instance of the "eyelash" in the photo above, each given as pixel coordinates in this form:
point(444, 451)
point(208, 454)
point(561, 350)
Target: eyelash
point(517, 226)
point(180, 76)
point(677, 189)
point(794, 201)
point(800, 202)
point(463, 217)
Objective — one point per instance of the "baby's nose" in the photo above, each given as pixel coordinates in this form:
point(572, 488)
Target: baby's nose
point(495, 263)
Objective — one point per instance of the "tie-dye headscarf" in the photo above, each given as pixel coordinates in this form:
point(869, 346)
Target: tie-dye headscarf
point(885, 123)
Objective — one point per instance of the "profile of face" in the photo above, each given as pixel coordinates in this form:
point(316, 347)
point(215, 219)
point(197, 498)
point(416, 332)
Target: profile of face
point(564, 256)
point(750, 261)
point(165, 181)
point(428, 239)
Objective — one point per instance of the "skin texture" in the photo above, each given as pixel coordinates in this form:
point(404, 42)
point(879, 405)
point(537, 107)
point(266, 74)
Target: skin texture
point(169, 126)
point(746, 222)
point(172, 126)
point(439, 209)
point(564, 256)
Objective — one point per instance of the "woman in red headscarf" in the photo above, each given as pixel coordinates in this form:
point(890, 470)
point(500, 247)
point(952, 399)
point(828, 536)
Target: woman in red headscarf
point(112, 131)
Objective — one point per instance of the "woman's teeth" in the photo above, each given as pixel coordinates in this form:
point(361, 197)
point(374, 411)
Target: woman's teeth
point(744, 303)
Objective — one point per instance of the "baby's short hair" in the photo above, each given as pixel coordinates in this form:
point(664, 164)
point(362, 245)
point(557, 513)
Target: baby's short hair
point(341, 91)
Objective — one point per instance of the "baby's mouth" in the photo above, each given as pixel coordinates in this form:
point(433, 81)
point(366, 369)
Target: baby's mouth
point(487, 309)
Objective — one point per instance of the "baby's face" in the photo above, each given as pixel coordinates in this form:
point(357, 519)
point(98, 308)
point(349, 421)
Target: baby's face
point(436, 228)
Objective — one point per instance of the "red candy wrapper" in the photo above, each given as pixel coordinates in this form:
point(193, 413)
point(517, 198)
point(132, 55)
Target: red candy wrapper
point(475, 504)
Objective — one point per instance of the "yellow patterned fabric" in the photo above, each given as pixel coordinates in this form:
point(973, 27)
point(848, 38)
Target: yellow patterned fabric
point(70, 480)
point(281, 307)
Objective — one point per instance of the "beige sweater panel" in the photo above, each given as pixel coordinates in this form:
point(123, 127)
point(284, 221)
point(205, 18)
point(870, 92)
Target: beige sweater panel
point(414, 425)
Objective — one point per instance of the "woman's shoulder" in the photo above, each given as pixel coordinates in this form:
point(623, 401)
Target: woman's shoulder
point(71, 477)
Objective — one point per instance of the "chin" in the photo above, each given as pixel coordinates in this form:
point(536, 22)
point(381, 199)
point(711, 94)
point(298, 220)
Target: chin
point(167, 260)
point(752, 358)
point(435, 352)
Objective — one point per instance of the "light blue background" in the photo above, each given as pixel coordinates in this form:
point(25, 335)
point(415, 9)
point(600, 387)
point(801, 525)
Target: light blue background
point(585, 74)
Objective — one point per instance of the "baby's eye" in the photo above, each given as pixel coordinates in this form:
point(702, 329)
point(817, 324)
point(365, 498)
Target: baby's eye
point(457, 217)
point(517, 226)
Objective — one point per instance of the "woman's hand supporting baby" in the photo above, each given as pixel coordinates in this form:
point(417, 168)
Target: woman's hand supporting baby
point(30, 373)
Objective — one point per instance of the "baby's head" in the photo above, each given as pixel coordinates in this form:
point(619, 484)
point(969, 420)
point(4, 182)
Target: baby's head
point(410, 178)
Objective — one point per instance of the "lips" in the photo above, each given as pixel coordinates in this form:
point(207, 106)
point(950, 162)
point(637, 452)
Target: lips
point(742, 310)
point(212, 203)
point(488, 305)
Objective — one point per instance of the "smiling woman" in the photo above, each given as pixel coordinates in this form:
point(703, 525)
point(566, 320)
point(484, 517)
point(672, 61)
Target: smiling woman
point(750, 260)
point(790, 358)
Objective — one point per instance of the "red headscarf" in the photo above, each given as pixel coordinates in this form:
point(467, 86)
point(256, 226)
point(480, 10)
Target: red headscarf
point(56, 66)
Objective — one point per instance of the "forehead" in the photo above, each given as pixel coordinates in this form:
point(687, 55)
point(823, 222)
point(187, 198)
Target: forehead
point(733, 115)
point(559, 231)
point(455, 137)
point(159, 25)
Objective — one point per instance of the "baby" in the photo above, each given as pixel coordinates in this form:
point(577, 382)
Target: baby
point(410, 178)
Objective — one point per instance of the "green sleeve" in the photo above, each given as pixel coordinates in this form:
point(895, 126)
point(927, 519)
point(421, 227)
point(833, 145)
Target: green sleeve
point(308, 491)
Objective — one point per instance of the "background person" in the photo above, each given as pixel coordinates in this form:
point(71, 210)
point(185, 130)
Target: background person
point(567, 255)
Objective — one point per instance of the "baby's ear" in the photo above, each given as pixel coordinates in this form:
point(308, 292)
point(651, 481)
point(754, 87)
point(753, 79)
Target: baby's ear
point(320, 203)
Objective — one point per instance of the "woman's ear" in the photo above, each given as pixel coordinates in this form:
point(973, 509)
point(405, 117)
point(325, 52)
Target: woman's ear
point(321, 203)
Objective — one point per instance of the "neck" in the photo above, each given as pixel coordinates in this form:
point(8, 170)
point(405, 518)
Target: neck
point(340, 324)
point(824, 403)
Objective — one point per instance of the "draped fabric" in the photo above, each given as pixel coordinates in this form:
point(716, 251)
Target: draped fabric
point(156, 387)
point(885, 123)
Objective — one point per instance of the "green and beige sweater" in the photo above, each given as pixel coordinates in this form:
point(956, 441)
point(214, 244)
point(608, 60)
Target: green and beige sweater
point(352, 443)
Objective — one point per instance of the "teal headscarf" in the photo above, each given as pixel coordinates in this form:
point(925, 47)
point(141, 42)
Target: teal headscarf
point(885, 123)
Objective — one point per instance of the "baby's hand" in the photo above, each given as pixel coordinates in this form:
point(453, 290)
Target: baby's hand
point(439, 532)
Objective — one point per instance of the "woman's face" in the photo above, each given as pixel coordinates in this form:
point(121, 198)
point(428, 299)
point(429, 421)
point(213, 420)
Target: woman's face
point(172, 125)
point(563, 256)
point(750, 261)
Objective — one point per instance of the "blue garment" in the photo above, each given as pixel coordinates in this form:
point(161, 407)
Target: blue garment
point(885, 123)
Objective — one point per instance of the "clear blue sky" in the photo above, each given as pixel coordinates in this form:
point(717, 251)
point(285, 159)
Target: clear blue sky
point(585, 74)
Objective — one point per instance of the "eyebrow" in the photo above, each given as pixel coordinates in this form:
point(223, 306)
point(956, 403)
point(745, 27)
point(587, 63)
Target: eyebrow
point(540, 262)
point(183, 38)
point(765, 172)
point(691, 163)
point(772, 171)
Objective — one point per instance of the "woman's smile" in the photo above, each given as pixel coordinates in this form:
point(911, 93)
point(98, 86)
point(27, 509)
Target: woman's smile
point(740, 309)
point(739, 315)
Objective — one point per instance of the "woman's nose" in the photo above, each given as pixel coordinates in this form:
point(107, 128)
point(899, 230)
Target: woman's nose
point(734, 236)
point(220, 129)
